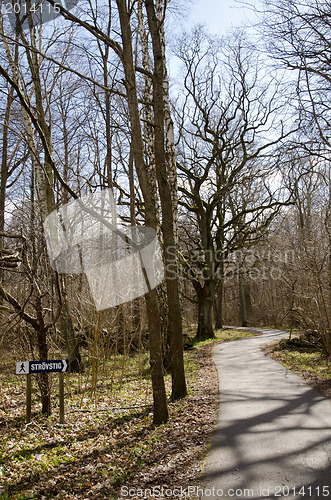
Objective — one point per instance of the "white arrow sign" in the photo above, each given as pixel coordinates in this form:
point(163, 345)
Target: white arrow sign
point(48, 366)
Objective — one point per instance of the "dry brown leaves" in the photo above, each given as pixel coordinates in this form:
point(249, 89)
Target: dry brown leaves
point(111, 455)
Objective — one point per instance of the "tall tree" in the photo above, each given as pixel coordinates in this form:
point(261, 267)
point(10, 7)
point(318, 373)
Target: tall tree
point(167, 183)
point(160, 405)
point(225, 144)
point(297, 36)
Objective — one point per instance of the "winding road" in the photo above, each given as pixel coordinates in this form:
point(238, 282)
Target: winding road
point(273, 436)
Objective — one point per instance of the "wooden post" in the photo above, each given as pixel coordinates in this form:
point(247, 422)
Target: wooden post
point(61, 396)
point(28, 398)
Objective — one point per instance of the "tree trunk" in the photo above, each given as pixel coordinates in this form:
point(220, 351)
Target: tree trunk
point(155, 340)
point(205, 314)
point(168, 223)
point(135, 305)
point(218, 301)
point(43, 380)
point(247, 295)
point(218, 308)
point(67, 328)
point(156, 360)
point(4, 174)
point(242, 301)
point(328, 230)
point(244, 293)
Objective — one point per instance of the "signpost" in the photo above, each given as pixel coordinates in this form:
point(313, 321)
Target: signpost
point(49, 366)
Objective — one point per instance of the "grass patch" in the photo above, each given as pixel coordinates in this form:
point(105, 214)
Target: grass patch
point(221, 335)
point(310, 363)
point(227, 335)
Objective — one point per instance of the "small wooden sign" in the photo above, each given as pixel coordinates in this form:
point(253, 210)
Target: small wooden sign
point(49, 366)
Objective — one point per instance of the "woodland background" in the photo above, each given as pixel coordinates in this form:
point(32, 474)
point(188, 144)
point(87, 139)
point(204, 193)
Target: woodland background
point(229, 162)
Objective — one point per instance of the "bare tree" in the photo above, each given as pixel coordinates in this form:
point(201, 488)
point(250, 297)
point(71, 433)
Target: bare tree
point(226, 151)
point(167, 183)
point(297, 36)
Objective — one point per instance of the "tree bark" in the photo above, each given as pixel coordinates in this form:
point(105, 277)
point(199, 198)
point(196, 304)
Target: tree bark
point(218, 308)
point(4, 175)
point(245, 304)
point(43, 380)
point(205, 313)
point(179, 389)
point(155, 342)
point(218, 301)
point(242, 300)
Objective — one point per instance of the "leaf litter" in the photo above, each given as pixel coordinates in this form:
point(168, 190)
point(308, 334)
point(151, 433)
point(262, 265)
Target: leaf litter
point(111, 443)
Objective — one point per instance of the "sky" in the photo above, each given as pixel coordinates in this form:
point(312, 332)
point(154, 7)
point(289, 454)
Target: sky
point(219, 15)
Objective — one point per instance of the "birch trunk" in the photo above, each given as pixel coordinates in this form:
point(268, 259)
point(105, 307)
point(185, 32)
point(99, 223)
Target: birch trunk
point(155, 340)
point(168, 216)
point(4, 176)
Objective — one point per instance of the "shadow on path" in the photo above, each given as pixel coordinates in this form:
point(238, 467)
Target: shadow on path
point(273, 438)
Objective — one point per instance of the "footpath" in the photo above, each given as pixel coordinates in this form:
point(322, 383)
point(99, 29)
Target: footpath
point(273, 436)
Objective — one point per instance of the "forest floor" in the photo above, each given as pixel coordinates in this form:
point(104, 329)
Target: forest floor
point(108, 447)
point(309, 363)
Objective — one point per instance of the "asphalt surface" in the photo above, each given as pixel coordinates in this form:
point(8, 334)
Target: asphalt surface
point(273, 436)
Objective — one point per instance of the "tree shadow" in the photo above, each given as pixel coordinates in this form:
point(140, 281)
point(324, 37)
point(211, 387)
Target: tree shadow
point(272, 438)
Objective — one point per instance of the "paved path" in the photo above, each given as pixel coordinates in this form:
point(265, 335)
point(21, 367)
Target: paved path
point(273, 437)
